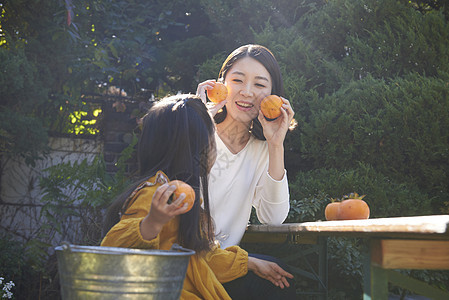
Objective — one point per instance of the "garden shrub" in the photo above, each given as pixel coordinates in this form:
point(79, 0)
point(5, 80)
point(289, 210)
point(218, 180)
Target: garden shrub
point(80, 191)
point(25, 264)
point(210, 68)
point(311, 191)
point(400, 128)
point(383, 38)
point(304, 67)
point(21, 133)
point(236, 21)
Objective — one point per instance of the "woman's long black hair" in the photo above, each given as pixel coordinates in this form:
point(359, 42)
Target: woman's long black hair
point(177, 135)
point(267, 59)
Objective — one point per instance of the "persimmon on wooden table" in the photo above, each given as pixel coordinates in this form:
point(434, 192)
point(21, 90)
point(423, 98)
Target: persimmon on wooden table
point(419, 242)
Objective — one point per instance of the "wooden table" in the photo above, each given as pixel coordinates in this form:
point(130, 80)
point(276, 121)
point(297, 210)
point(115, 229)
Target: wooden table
point(420, 242)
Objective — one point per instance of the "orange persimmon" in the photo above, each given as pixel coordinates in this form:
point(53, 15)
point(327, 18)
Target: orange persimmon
point(218, 93)
point(331, 211)
point(351, 207)
point(271, 107)
point(182, 187)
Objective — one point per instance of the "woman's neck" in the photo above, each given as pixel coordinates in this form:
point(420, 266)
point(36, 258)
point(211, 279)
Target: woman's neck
point(235, 135)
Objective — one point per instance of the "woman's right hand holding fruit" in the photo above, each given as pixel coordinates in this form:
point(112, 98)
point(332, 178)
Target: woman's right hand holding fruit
point(201, 91)
point(161, 211)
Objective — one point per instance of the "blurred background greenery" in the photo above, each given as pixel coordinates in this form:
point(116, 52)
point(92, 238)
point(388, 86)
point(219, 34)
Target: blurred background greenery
point(368, 80)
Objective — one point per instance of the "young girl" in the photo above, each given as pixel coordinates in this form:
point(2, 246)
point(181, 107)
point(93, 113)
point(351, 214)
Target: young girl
point(178, 142)
point(249, 170)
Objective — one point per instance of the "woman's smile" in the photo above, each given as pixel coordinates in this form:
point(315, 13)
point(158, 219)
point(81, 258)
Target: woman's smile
point(244, 105)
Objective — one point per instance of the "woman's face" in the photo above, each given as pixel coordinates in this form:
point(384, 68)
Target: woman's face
point(248, 83)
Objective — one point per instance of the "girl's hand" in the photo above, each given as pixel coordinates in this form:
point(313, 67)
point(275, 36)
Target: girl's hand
point(275, 131)
point(201, 92)
point(161, 212)
point(269, 271)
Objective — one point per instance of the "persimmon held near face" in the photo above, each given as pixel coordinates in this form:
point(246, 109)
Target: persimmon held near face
point(218, 93)
point(271, 107)
point(182, 187)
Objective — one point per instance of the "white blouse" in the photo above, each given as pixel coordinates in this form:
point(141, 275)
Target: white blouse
point(239, 181)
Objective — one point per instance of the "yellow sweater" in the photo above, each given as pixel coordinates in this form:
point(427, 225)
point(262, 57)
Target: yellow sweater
point(205, 273)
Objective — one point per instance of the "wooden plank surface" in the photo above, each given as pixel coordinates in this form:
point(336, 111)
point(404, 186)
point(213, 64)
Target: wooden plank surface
point(430, 226)
point(410, 254)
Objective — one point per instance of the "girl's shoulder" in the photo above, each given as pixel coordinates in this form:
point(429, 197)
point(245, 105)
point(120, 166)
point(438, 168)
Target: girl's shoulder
point(151, 183)
point(158, 179)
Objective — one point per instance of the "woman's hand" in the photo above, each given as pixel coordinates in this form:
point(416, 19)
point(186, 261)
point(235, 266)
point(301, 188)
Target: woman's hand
point(161, 211)
point(269, 271)
point(201, 92)
point(275, 131)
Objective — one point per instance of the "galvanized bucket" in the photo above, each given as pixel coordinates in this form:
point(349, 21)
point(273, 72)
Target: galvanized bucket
point(90, 272)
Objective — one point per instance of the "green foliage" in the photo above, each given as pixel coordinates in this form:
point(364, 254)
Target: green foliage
point(312, 190)
point(80, 190)
point(400, 128)
point(383, 38)
point(211, 67)
point(429, 6)
point(345, 264)
point(307, 209)
point(75, 191)
point(24, 263)
point(11, 257)
point(23, 136)
point(21, 133)
point(238, 20)
point(20, 83)
point(181, 59)
point(304, 66)
point(120, 41)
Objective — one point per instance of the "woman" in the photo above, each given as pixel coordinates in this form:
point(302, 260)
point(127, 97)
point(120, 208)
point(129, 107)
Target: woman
point(178, 142)
point(249, 170)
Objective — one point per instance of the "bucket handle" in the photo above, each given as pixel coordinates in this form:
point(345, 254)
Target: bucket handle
point(66, 246)
point(176, 247)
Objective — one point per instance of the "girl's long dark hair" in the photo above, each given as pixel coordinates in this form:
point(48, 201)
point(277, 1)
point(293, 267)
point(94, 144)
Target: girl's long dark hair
point(176, 138)
point(267, 59)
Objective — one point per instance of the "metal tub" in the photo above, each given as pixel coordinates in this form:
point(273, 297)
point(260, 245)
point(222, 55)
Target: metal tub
point(90, 272)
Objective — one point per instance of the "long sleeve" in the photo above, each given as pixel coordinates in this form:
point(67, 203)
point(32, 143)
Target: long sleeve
point(272, 199)
point(228, 264)
point(127, 233)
